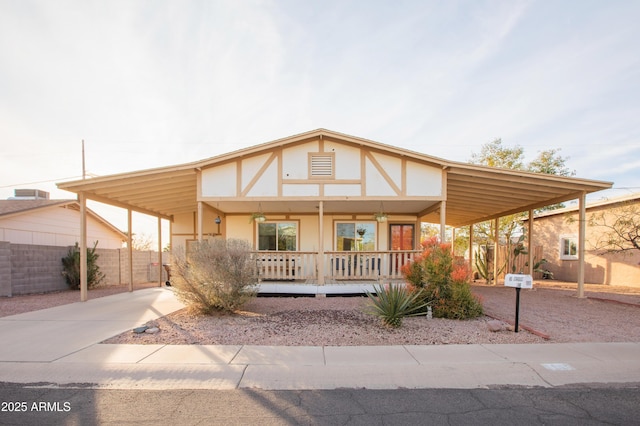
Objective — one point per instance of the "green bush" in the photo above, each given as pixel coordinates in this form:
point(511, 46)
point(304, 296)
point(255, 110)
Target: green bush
point(71, 267)
point(394, 302)
point(217, 275)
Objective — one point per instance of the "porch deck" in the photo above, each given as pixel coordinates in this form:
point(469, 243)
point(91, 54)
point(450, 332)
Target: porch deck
point(310, 287)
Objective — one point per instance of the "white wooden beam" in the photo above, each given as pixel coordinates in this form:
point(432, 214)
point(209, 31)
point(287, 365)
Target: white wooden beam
point(443, 219)
point(130, 248)
point(471, 246)
point(199, 220)
point(321, 243)
point(82, 199)
point(496, 245)
point(582, 224)
point(530, 242)
point(159, 252)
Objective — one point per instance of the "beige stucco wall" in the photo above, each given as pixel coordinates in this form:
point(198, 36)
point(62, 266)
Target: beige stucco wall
point(358, 172)
point(55, 226)
point(619, 270)
point(239, 226)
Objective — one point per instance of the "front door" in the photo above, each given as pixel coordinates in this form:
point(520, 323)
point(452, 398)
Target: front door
point(402, 240)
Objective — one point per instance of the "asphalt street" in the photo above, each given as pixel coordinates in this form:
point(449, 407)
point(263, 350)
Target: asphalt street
point(37, 404)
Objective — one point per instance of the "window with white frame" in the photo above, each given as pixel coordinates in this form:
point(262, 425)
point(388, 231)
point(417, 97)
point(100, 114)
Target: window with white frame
point(278, 236)
point(568, 247)
point(355, 236)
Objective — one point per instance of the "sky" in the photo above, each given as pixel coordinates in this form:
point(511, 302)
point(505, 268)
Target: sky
point(155, 83)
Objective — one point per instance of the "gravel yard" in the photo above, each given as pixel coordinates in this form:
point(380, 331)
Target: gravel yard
point(551, 310)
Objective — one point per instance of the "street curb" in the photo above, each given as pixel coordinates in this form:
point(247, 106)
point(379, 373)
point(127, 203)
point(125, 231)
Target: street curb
point(619, 302)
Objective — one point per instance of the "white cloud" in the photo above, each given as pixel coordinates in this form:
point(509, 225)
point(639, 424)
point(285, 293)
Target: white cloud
point(151, 83)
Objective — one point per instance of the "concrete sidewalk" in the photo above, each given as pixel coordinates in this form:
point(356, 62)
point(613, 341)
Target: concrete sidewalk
point(50, 334)
point(60, 346)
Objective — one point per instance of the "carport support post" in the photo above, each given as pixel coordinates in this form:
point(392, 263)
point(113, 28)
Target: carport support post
point(530, 242)
point(471, 246)
point(159, 251)
point(130, 249)
point(83, 246)
point(443, 219)
point(199, 224)
point(320, 243)
point(582, 223)
point(496, 244)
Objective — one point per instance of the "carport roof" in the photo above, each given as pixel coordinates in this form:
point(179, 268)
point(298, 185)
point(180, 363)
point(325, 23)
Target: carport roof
point(474, 193)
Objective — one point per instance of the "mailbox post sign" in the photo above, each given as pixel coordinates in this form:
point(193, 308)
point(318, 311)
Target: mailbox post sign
point(518, 281)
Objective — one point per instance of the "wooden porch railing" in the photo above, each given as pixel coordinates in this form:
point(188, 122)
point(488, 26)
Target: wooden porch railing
point(286, 265)
point(338, 265)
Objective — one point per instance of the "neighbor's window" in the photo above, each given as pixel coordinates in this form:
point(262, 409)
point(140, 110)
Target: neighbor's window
point(568, 247)
point(278, 236)
point(355, 236)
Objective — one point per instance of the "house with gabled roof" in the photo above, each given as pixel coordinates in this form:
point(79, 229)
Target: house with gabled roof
point(558, 232)
point(322, 207)
point(41, 221)
point(36, 232)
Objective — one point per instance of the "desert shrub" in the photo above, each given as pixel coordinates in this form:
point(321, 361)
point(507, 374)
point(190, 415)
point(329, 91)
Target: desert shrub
point(444, 282)
point(413, 272)
point(217, 275)
point(391, 303)
point(71, 267)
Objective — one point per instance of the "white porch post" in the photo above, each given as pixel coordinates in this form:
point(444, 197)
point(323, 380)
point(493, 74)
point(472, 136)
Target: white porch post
point(453, 241)
point(159, 251)
point(496, 244)
point(83, 246)
point(321, 243)
point(199, 221)
point(530, 242)
point(443, 219)
point(130, 249)
point(471, 246)
point(582, 223)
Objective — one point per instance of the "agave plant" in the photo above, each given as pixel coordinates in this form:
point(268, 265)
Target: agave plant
point(391, 303)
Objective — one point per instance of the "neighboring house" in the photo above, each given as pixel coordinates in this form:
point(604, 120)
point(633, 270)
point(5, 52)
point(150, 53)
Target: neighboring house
point(43, 222)
point(327, 206)
point(36, 233)
point(557, 232)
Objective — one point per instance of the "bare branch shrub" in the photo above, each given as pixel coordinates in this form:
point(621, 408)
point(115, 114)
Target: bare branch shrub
point(216, 275)
point(619, 229)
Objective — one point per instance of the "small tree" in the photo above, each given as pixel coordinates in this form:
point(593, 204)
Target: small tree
point(71, 267)
point(217, 275)
point(141, 242)
point(494, 154)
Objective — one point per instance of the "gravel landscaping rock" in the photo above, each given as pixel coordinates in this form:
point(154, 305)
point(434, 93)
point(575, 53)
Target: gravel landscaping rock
point(551, 309)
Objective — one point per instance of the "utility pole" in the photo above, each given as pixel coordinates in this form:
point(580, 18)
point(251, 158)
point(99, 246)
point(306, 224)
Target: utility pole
point(84, 171)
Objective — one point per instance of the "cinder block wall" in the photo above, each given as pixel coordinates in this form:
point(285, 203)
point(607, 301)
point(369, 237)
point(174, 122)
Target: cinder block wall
point(26, 269)
point(109, 264)
point(145, 267)
point(5, 268)
point(36, 269)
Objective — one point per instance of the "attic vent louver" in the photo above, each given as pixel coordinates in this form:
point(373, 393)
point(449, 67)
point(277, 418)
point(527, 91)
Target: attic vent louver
point(322, 165)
